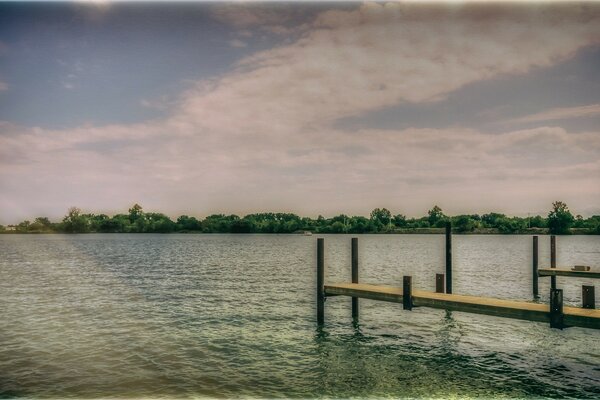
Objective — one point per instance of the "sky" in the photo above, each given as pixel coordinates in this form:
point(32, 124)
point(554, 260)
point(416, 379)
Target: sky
point(312, 108)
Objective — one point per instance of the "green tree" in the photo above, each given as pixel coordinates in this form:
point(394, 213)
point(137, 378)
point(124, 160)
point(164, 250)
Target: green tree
point(560, 219)
point(135, 213)
point(436, 217)
point(75, 222)
point(464, 223)
point(399, 221)
point(186, 223)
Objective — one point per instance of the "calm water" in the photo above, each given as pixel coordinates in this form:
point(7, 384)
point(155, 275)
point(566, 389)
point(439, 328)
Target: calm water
point(234, 316)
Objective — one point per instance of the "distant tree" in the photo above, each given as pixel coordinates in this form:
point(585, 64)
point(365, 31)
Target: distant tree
point(436, 216)
point(40, 224)
point(399, 220)
point(560, 219)
point(186, 223)
point(579, 222)
point(538, 222)
point(382, 215)
point(464, 223)
point(75, 222)
point(135, 213)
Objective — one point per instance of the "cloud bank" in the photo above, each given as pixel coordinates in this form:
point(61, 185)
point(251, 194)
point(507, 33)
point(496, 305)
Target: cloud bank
point(262, 136)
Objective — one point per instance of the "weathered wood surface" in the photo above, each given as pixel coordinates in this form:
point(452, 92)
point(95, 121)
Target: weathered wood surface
point(568, 272)
point(573, 316)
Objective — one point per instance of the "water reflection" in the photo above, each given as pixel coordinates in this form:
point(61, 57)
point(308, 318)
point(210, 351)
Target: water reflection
point(233, 316)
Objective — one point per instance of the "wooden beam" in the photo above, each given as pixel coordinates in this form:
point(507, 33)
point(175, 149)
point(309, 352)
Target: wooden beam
point(448, 257)
point(536, 292)
point(320, 281)
point(407, 303)
point(553, 260)
point(557, 316)
point(586, 318)
point(588, 296)
point(439, 283)
point(568, 272)
point(354, 276)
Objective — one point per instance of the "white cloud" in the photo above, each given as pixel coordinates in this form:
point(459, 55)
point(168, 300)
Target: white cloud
point(237, 43)
point(560, 113)
point(261, 137)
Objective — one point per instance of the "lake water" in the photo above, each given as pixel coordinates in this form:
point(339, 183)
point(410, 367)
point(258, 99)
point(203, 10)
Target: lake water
point(233, 316)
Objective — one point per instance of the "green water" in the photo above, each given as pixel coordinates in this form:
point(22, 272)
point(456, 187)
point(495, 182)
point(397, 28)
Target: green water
point(153, 316)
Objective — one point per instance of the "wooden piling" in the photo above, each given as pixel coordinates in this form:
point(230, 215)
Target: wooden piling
point(536, 293)
point(449, 257)
point(439, 283)
point(407, 292)
point(556, 309)
point(588, 297)
point(320, 281)
point(354, 276)
point(553, 260)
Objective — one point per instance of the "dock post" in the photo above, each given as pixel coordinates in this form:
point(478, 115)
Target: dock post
point(320, 281)
point(355, 276)
point(449, 257)
point(553, 260)
point(439, 283)
point(588, 297)
point(556, 309)
point(536, 292)
point(407, 292)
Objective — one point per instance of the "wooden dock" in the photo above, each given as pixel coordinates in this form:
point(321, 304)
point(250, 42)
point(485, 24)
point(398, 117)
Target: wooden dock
point(555, 313)
point(568, 272)
point(573, 316)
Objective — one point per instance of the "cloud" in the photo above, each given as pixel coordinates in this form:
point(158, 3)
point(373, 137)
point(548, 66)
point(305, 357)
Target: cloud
point(277, 19)
point(237, 43)
point(262, 136)
point(560, 113)
point(381, 55)
point(3, 86)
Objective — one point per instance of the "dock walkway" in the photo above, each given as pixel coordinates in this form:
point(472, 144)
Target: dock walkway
point(573, 316)
point(558, 315)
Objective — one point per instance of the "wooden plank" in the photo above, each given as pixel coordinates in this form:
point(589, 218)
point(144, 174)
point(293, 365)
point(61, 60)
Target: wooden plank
point(573, 316)
point(448, 257)
point(568, 272)
point(354, 246)
point(553, 260)
point(320, 281)
point(536, 292)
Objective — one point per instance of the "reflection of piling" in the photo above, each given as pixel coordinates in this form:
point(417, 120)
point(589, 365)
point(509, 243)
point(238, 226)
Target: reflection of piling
point(449, 257)
point(320, 281)
point(536, 292)
point(355, 276)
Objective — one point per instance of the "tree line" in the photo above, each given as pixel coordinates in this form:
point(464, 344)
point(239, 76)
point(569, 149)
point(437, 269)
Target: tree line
point(558, 221)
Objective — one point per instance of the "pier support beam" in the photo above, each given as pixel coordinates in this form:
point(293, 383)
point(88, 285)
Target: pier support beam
point(320, 281)
point(553, 260)
point(407, 302)
point(556, 309)
point(449, 257)
point(355, 276)
point(536, 292)
point(588, 297)
point(439, 283)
